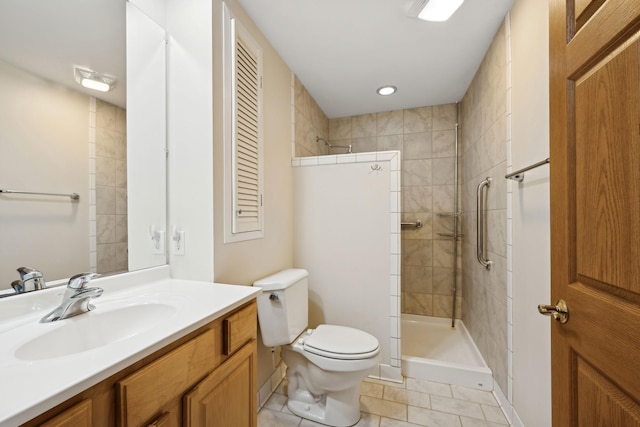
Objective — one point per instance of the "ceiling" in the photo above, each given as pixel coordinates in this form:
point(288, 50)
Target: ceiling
point(49, 37)
point(343, 50)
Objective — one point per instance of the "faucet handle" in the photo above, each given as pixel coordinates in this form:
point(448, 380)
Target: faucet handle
point(17, 286)
point(79, 281)
point(27, 273)
point(32, 279)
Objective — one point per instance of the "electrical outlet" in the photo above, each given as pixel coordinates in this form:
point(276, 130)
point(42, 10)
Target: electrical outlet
point(177, 242)
point(158, 242)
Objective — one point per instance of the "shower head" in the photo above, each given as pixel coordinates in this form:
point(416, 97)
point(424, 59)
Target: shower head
point(348, 147)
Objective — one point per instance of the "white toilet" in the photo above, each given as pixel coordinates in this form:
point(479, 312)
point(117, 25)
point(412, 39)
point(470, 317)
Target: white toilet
point(324, 365)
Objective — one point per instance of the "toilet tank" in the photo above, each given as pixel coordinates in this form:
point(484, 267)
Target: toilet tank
point(283, 306)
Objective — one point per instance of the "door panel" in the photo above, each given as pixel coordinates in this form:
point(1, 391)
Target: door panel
point(608, 171)
point(595, 211)
point(596, 392)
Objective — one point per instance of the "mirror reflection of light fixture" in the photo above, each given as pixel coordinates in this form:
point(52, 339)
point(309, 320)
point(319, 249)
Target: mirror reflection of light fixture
point(435, 10)
point(92, 80)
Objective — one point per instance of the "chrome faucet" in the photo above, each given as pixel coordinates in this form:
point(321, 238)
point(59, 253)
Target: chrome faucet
point(30, 280)
point(76, 299)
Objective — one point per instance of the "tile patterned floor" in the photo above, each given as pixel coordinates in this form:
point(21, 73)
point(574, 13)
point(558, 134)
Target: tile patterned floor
point(411, 404)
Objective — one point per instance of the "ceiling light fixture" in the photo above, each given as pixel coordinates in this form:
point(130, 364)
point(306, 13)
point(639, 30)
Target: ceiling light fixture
point(92, 80)
point(435, 10)
point(387, 90)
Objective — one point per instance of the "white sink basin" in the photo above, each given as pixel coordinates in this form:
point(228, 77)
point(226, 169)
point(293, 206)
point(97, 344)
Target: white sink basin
point(137, 314)
point(93, 329)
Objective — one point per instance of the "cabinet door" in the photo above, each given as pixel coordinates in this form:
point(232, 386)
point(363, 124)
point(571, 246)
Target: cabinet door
point(78, 415)
point(227, 397)
point(158, 387)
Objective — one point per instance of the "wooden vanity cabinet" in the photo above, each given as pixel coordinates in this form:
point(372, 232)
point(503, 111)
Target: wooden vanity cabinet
point(208, 378)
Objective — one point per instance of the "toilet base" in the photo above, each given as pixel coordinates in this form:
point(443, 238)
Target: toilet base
point(336, 409)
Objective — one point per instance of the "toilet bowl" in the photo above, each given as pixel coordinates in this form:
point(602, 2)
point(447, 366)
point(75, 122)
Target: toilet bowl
point(325, 365)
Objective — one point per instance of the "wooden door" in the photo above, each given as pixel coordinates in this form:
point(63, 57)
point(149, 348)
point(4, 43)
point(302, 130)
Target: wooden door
point(226, 397)
point(595, 211)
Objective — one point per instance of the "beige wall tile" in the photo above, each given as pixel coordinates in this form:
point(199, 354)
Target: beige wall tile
point(122, 256)
point(417, 146)
point(443, 143)
point(390, 123)
point(340, 128)
point(106, 229)
point(105, 171)
point(417, 279)
point(415, 303)
point(105, 115)
point(106, 142)
point(105, 200)
point(391, 142)
point(121, 173)
point(106, 258)
point(417, 253)
point(443, 200)
point(121, 201)
point(364, 125)
point(444, 117)
point(417, 199)
point(416, 172)
point(417, 120)
point(122, 231)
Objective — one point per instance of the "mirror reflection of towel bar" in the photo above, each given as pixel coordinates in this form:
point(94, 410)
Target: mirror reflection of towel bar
point(416, 224)
point(73, 196)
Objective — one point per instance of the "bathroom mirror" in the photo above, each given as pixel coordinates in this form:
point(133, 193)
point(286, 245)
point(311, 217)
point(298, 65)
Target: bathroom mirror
point(57, 136)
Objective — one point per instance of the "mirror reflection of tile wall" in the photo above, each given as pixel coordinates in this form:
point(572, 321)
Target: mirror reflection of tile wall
point(110, 161)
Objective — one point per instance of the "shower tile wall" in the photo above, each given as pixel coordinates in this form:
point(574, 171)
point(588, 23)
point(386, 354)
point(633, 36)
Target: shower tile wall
point(310, 121)
point(110, 187)
point(484, 131)
point(425, 136)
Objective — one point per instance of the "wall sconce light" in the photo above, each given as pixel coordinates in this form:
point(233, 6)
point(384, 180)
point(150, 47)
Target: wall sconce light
point(435, 10)
point(92, 80)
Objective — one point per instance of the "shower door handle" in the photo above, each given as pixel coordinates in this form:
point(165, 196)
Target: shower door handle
point(480, 223)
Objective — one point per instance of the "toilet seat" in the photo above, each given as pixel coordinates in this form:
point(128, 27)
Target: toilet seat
point(340, 342)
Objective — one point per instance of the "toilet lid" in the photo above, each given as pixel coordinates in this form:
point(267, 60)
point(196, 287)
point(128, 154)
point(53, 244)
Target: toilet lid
point(341, 342)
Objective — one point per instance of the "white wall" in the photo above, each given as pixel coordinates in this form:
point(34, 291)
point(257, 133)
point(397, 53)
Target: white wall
point(146, 137)
point(190, 134)
point(342, 236)
point(44, 147)
point(529, 205)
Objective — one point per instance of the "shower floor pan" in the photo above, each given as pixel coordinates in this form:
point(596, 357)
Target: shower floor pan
point(434, 351)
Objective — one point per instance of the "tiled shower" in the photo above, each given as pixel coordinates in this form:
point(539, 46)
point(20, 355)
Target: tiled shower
point(108, 142)
point(425, 136)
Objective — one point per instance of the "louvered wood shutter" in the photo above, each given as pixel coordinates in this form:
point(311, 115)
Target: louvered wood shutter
point(247, 161)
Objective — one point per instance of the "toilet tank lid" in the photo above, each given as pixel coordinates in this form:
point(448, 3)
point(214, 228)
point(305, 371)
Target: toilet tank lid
point(281, 280)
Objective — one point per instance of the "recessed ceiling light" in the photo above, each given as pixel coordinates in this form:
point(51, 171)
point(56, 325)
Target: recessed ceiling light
point(387, 90)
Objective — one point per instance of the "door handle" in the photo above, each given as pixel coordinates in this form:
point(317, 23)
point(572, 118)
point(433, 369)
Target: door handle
point(560, 311)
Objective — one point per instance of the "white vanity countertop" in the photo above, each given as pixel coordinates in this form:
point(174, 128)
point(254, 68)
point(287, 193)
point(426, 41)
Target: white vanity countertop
point(32, 383)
